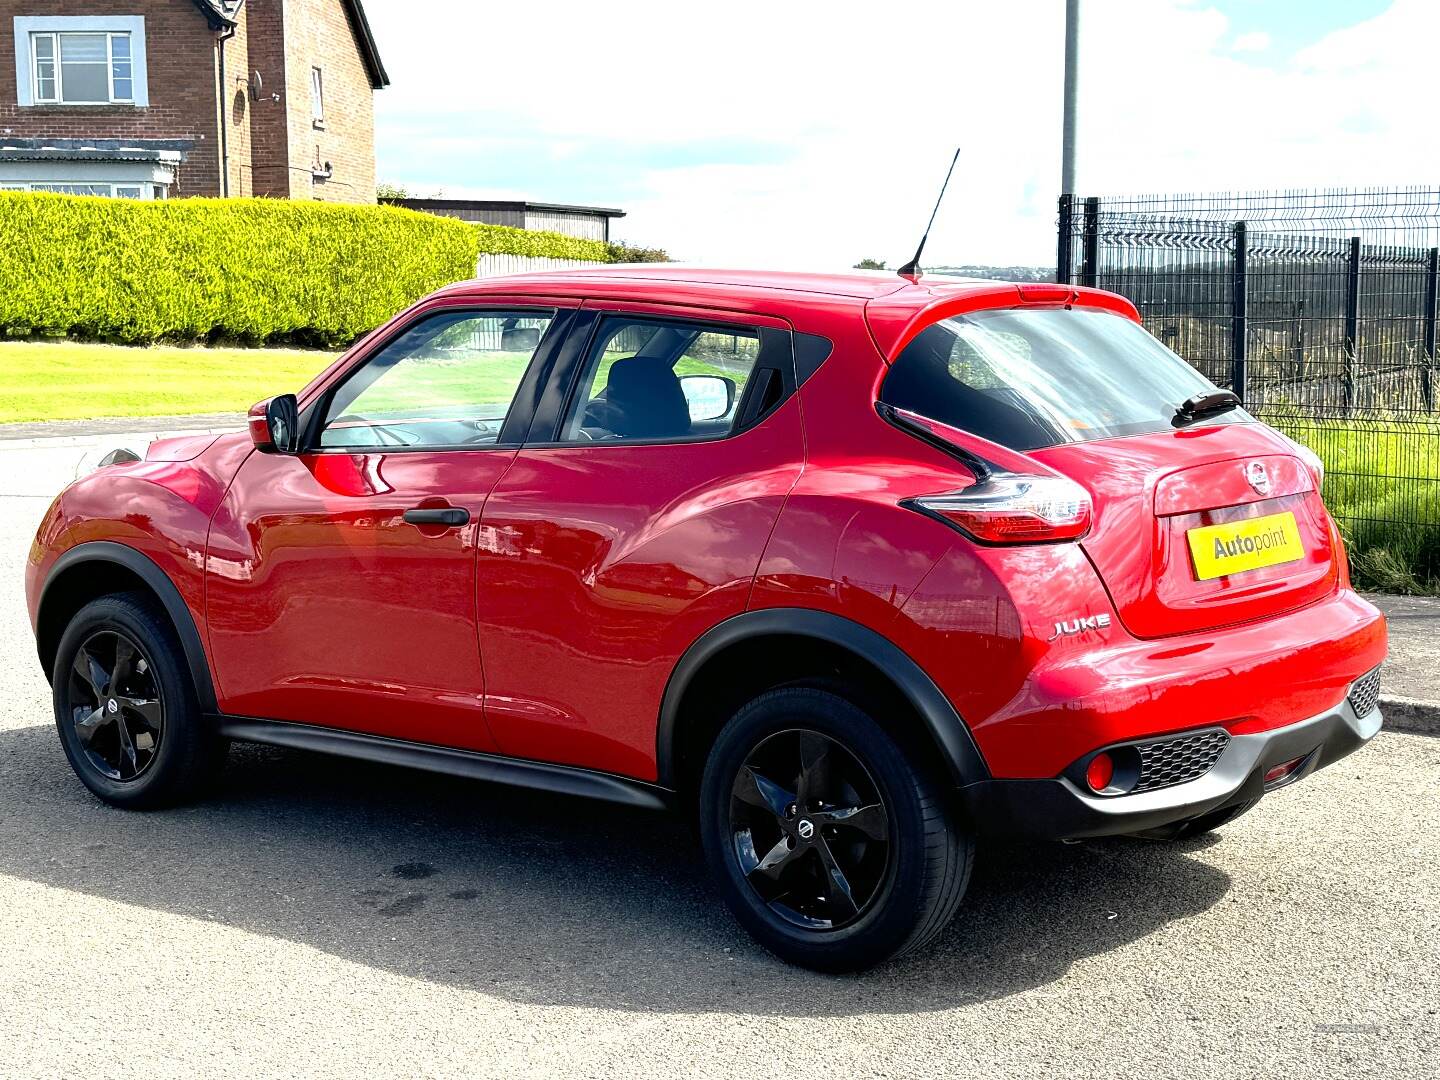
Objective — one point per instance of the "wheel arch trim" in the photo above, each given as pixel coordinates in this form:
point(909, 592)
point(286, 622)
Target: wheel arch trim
point(159, 583)
point(946, 728)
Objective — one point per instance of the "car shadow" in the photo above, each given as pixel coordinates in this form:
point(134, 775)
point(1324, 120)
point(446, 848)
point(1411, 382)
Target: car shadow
point(545, 899)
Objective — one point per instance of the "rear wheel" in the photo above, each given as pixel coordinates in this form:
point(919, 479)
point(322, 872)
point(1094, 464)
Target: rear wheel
point(126, 709)
point(829, 845)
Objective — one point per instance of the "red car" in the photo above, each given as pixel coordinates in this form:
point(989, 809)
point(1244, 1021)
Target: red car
point(852, 568)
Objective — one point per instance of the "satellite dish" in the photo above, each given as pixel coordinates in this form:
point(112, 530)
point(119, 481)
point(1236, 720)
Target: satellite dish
point(257, 85)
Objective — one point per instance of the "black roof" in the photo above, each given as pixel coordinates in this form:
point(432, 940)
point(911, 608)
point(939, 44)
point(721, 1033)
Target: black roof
point(172, 150)
point(221, 14)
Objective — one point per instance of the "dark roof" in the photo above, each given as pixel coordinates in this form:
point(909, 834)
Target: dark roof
point(366, 40)
point(172, 150)
point(502, 204)
point(221, 14)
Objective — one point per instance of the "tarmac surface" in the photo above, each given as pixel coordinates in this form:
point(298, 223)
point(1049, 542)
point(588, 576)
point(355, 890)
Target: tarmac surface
point(327, 918)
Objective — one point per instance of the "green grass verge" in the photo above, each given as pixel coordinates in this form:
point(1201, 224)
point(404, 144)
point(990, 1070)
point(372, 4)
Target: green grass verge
point(1382, 484)
point(65, 380)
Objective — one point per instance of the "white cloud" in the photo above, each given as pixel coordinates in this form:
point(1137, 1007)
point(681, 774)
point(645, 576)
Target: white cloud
point(1254, 41)
point(843, 116)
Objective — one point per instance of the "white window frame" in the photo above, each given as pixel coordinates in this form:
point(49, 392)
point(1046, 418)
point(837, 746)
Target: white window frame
point(148, 189)
point(25, 26)
point(317, 96)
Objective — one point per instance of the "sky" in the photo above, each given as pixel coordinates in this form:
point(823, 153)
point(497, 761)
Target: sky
point(787, 133)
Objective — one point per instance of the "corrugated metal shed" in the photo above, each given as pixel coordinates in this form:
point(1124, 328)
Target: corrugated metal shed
point(586, 222)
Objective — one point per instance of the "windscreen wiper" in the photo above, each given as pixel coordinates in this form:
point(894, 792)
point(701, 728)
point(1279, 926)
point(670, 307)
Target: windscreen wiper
point(1202, 405)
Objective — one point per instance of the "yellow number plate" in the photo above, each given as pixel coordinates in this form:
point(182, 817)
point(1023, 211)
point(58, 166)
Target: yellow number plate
point(1219, 550)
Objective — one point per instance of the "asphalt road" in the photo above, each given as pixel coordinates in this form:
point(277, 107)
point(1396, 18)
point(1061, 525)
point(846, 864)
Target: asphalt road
point(326, 918)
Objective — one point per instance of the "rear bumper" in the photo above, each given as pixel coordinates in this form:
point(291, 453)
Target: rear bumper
point(1058, 809)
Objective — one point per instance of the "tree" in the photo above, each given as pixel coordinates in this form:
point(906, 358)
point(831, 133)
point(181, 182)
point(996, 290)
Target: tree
point(386, 190)
point(623, 252)
point(871, 264)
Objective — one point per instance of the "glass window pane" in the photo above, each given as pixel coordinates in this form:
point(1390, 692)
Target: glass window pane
point(124, 88)
point(45, 87)
point(1042, 377)
point(120, 46)
point(652, 380)
point(127, 191)
point(43, 46)
point(317, 95)
point(447, 382)
point(83, 48)
point(73, 189)
point(83, 82)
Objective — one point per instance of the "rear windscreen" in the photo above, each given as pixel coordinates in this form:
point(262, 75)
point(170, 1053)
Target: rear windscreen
point(1028, 378)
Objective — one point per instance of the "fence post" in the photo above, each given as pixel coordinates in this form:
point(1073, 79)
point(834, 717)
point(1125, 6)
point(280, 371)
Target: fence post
point(1239, 331)
point(1299, 346)
point(1432, 276)
point(1090, 268)
point(1064, 256)
point(1352, 321)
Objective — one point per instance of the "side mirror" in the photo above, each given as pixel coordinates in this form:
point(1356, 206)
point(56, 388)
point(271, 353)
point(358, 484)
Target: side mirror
point(275, 425)
point(709, 397)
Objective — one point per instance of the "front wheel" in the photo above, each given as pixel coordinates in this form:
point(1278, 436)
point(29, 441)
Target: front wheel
point(829, 845)
point(126, 709)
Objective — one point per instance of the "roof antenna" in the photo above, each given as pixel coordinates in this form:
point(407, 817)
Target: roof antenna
point(911, 269)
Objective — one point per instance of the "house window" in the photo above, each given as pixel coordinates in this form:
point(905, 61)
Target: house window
point(76, 68)
point(80, 60)
point(317, 98)
point(100, 188)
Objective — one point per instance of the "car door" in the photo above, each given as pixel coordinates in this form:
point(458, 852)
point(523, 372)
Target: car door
point(341, 580)
point(632, 520)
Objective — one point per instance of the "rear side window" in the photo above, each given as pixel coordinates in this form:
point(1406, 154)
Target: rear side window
point(1029, 378)
point(656, 380)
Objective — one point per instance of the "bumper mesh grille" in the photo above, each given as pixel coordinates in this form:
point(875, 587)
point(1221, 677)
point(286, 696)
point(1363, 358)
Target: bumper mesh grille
point(1365, 692)
point(1176, 761)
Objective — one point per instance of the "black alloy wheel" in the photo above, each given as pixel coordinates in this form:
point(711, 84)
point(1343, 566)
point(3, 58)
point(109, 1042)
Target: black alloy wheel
point(116, 706)
point(836, 845)
point(126, 708)
point(810, 829)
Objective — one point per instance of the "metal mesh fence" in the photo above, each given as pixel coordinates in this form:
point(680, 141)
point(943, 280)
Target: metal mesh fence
point(1319, 309)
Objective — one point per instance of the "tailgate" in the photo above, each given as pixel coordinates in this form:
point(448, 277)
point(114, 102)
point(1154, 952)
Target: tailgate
point(1202, 528)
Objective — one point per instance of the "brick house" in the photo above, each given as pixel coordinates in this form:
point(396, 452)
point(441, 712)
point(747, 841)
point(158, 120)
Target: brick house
point(165, 98)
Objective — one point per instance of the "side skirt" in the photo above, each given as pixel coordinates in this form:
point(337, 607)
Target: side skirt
point(537, 775)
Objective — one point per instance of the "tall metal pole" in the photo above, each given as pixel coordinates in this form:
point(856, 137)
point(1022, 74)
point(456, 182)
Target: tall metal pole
point(1072, 60)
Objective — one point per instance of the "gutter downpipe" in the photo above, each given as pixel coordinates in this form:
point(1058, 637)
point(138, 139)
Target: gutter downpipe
point(220, 92)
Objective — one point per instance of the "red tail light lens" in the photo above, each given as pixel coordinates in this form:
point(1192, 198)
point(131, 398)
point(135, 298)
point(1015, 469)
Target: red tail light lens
point(1010, 508)
point(1100, 772)
point(1279, 772)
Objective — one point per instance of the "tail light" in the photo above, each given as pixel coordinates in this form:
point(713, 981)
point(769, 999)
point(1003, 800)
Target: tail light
point(1012, 508)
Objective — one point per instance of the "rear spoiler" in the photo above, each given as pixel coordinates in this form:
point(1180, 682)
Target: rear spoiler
point(897, 319)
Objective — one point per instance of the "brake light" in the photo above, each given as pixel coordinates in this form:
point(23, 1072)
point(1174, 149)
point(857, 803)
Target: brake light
point(1012, 508)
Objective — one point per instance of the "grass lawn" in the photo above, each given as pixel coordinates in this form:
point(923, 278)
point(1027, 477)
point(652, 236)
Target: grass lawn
point(1382, 483)
point(66, 380)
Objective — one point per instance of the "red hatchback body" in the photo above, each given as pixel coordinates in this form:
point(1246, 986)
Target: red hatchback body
point(566, 530)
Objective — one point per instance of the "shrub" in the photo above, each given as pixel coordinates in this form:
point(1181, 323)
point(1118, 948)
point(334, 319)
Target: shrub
point(503, 240)
point(622, 251)
point(247, 270)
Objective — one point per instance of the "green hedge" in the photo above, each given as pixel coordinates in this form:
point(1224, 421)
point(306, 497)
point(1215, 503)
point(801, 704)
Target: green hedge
point(246, 270)
point(503, 240)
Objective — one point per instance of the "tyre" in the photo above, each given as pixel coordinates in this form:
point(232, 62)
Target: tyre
point(829, 845)
point(126, 709)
